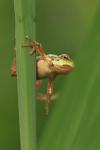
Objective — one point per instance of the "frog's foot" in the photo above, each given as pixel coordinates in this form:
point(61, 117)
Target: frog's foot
point(44, 97)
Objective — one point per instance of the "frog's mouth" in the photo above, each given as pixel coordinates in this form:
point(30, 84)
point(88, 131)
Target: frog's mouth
point(70, 63)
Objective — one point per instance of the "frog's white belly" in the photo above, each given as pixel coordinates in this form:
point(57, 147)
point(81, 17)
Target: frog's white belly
point(43, 69)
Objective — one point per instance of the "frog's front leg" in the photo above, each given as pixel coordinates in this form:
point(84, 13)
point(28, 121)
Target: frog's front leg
point(36, 47)
point(49, 94)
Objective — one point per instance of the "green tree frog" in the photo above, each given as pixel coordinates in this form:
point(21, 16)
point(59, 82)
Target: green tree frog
point(47, 66)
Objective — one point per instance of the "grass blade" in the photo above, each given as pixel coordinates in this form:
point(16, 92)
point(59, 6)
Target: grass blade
point(24, 14)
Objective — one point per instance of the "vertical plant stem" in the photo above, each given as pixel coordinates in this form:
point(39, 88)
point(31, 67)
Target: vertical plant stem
point(24, 25)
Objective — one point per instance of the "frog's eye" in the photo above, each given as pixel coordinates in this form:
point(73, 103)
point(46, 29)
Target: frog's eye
point(65, 56)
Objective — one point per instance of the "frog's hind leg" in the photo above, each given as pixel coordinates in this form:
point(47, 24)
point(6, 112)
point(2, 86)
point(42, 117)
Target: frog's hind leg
point(38, 85)
point(13, 67)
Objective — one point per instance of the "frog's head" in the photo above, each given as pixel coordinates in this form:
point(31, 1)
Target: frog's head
point(63, 64)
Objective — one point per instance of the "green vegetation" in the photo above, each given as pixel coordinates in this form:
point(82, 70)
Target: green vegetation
point(71, 27)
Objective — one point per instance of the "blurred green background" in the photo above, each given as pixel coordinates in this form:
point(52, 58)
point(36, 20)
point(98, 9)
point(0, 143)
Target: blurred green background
point(73, 123)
